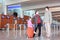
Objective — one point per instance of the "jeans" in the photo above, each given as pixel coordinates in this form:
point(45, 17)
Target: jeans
point(39, 28)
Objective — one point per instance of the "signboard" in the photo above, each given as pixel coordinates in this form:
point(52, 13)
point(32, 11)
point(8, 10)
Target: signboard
point(14, 6)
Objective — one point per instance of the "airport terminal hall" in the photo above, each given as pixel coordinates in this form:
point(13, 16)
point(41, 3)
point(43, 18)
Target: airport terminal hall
point(29, 19)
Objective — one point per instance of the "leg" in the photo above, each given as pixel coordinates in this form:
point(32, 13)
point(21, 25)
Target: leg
point(39, 27)
point(48, 29)
point(35, 31)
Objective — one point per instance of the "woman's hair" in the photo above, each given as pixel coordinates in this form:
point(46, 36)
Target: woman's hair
point(29, 17)
point(15, 14)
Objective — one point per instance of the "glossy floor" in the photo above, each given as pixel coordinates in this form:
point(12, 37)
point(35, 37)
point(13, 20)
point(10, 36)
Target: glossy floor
point(21, 35)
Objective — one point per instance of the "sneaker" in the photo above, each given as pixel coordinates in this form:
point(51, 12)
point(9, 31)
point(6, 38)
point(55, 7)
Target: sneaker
point(34, 35)
point(38, 35)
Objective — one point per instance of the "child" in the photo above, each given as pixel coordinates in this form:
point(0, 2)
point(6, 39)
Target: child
point(30, 30)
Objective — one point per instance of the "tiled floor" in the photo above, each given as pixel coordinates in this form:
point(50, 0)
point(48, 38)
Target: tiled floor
point(17, 35)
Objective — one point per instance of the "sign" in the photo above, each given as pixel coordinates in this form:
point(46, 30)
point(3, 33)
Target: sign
point(14, 6)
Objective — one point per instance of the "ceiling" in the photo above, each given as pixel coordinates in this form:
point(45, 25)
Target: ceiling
point(25, 2)
point(36, 2)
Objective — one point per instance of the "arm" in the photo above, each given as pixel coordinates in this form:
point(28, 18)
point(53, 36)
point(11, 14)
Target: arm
point(44, 18)
point(50, 17)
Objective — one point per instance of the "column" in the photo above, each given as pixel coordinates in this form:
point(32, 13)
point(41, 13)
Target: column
point(4, 7)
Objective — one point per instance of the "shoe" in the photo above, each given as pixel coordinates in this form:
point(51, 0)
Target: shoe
point(34, 35)
point(39, 35)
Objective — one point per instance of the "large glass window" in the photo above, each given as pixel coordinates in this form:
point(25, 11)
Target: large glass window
point(15, 8)
point(29, 13)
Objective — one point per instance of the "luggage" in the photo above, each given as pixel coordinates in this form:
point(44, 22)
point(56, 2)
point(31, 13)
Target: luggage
point(30, 32)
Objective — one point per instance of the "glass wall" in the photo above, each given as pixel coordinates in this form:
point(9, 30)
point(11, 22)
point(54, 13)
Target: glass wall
point(32, 12)
point(14, 8)
point(29, 13)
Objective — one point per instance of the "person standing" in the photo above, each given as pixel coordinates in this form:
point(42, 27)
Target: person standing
point(48, 21)
point(37, 22)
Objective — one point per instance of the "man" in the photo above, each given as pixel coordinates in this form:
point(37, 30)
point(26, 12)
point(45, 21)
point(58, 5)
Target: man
point(37, 22)
point(48, 21)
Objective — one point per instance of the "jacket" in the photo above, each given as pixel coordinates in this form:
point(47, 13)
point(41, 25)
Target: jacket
point(48, 17)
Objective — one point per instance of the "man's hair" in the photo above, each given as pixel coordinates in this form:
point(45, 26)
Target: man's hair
point(47, 7)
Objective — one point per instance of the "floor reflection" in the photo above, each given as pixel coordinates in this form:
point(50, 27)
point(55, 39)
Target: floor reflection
point(30, 39)
point(48, 39)
point(17, 35)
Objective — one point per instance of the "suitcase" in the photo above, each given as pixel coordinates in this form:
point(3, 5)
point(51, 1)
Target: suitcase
point(30, 32)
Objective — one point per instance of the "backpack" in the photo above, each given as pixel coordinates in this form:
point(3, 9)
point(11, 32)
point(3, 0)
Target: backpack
point(38, 19)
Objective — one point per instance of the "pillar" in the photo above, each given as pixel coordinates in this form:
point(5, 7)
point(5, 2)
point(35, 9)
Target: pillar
point(4, 7)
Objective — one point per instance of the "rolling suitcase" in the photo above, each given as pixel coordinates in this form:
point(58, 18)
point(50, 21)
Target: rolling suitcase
point(30, 32)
